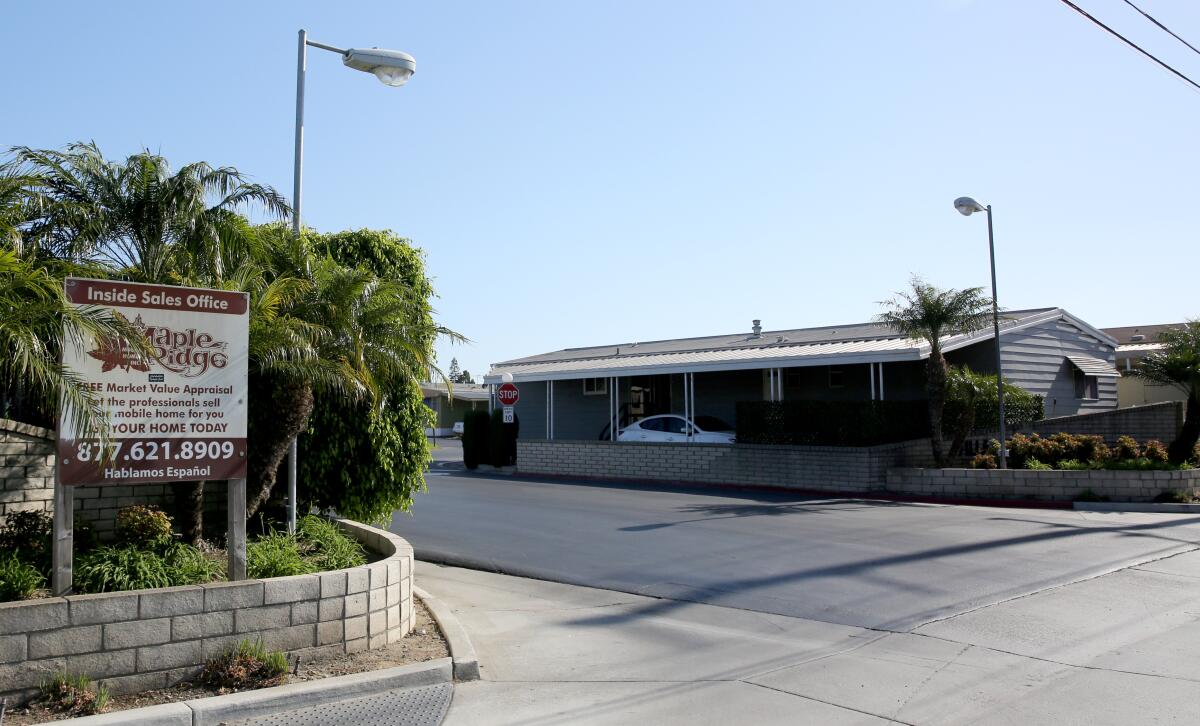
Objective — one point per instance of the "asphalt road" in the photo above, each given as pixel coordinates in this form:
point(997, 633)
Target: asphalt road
point(874, 564)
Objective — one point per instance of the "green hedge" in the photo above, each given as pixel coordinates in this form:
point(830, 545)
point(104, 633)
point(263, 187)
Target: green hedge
point(476, 438)
point(1020, 408)
point(831, 423)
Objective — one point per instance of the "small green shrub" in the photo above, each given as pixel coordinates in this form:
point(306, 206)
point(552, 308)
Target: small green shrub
point(276, 554)
point(984, 461)
point(245, 665)
point(112, 569)
point(73, 694)
point(189, 566)
point(1074, 465)
point(18, 579)
point(327, 547)
point(1036, 465)
point(144, 526)
point(28, 536)
point(1087, 495)
point(1174, 496)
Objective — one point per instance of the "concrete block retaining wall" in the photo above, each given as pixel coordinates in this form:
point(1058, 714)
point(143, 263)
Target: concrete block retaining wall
point(138, 640)
point(821, 468)
point(1055, 486)
point(1160, 421)
point(27, 483)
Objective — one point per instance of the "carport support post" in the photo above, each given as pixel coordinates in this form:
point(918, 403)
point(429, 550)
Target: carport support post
point(235, 531)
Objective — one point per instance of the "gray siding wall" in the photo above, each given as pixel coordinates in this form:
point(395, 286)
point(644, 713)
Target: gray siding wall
point(576, 416)
point(717, 394)
point(1035, 359)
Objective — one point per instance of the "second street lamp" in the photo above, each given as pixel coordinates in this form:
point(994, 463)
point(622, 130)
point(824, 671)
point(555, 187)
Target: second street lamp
point(392, 68)
point(967, 206)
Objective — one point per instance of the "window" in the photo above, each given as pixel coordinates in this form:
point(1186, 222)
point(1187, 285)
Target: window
point(712, 423)
point(1086, 386)
point(792, 378)
point(652, 424)
point(837, 378)
point(595, 386)
point(674, 425)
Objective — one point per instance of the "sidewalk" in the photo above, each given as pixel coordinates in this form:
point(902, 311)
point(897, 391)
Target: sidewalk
point(1117, 649)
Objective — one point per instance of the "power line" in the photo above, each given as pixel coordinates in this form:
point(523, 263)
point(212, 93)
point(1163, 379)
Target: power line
point(1129, 42)
point(1150, 17)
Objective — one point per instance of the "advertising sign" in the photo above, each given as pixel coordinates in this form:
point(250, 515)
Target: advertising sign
point(178, 414)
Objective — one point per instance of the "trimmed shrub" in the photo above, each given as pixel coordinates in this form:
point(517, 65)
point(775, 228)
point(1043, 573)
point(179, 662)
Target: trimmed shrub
point(1036, 465)
point(1155, 451)
point(984, 461)
point(1127, 448)
point(18, 579)
point(476, 437)
point(1172, 496)
point(502, 440)
point(143, 525)
point(831, 423)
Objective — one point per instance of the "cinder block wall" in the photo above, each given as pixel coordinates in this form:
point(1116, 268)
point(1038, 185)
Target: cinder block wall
point(1055, 486)
point(134, 641)
point(27, 483)
point(819, 468)
point(1160, 421)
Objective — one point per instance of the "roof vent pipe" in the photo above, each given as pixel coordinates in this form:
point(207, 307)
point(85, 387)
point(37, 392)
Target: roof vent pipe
point(757, 328)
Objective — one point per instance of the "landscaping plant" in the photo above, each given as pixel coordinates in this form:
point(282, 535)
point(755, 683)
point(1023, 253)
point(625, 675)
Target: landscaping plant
point(143, 525)
point(327, 547)
point(1078, 452)
point(18, 579)
point(276, 554)
point(929, 314)
point(1178, 365)
point(73, 694)
point(245, 665)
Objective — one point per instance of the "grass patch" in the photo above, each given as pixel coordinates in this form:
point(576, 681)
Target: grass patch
point(18, 579)
point(73, 694)
point(248, 664)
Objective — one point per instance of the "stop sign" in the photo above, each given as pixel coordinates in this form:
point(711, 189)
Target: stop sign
point(507, 394)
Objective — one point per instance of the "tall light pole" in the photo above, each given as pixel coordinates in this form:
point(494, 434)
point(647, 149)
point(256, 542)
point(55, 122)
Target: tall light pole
point(968, 206)
point(392, 68)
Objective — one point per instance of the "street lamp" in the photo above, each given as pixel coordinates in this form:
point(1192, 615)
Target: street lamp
point(392, 68)
point(967, 206)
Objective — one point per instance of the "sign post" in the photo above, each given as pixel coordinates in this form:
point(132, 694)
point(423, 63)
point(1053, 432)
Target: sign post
point(177, 415)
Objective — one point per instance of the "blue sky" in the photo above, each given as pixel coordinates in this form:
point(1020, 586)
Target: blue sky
point(590, 173)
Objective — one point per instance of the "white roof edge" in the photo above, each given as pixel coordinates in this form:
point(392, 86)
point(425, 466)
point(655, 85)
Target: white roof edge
point(669, 368)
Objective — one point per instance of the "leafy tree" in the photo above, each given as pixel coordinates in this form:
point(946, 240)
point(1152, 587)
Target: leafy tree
point(930, 314)
point(366, 458)
point(455, 372)
point(465, 377)
point(1178, 365)
point(137, 220)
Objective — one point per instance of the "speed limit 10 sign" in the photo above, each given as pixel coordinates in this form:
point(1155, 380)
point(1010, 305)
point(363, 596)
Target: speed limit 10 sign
point(507, 394)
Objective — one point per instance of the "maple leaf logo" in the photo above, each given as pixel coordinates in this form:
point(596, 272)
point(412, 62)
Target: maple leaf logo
point(113, 353)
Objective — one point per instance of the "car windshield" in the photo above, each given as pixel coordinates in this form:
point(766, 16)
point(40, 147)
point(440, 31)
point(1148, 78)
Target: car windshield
point(712, 423)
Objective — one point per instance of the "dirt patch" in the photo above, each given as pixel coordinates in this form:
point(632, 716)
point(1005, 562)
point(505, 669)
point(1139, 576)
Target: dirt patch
point(424, 643)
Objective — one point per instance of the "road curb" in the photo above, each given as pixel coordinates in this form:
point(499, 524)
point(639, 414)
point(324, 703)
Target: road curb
point(215, 710)
point(1169, 507)
point(466, 663)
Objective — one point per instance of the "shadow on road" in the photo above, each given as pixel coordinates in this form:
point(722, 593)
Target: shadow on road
point(868, 568)
point(739, 511)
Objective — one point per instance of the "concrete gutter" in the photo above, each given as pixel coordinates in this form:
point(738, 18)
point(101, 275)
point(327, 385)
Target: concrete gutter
point(466, 663)
point(1168, 507)
point(262, 702)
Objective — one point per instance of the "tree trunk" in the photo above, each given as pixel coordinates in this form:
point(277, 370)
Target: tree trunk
point(279, 419)
point(963, 425)
point(935, 389)
point(1184, 445)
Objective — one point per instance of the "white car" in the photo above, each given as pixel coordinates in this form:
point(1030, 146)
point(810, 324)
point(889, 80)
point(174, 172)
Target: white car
point(673, 427)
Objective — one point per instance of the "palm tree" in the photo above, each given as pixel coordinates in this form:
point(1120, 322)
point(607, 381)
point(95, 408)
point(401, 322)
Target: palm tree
point(138, 220)
point(36, 323)
point(931, 314)
point(1178, 365)
point(317, 326)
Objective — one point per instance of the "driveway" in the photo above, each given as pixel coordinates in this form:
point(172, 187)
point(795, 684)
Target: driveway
point(854, 562)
